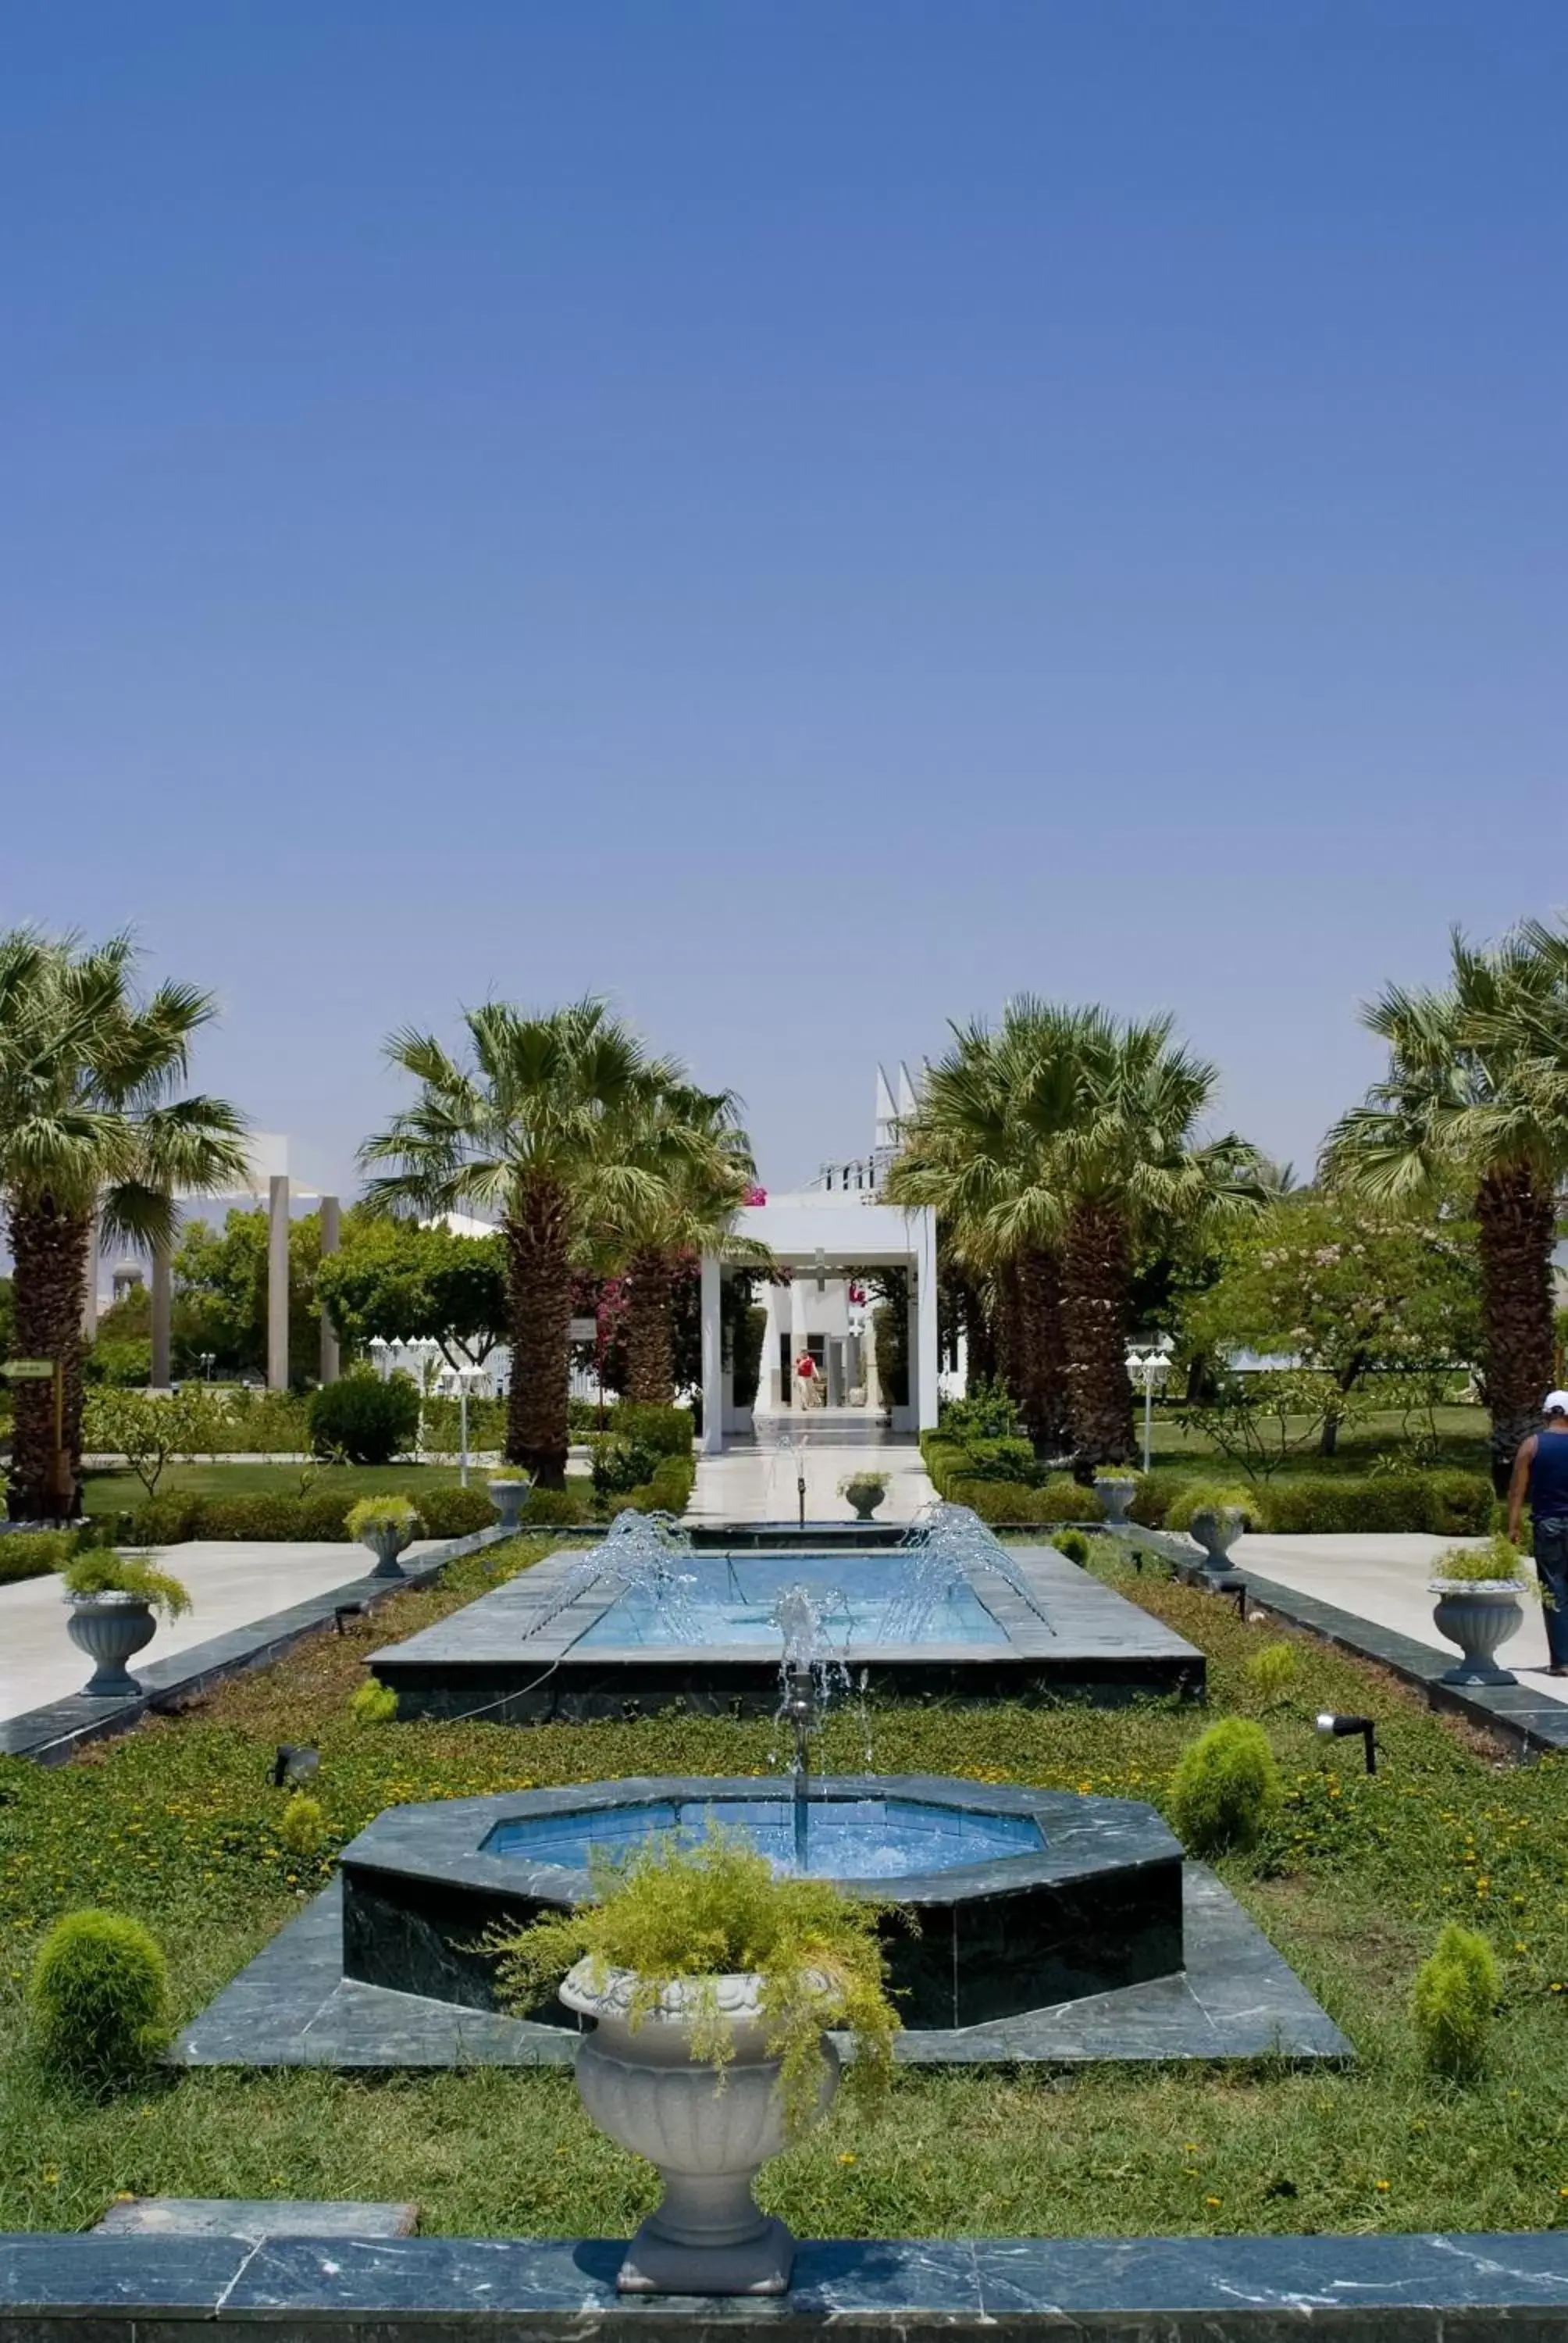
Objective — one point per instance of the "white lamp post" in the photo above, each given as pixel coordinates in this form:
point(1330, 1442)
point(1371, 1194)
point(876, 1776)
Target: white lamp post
point(462, 1379)
point(1148, 1367)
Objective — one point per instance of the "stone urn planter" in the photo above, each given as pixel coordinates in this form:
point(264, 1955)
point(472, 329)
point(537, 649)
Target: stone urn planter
point(386, 1541)
point(1115, 1496)
point(1216, 1529)
point(509, 1498)
point(1477, 1615)
point(110, 1628)
point(706, 2129)
point(865, 1497)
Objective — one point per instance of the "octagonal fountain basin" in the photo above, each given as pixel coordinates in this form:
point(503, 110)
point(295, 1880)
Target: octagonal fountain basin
point(1009, 1899)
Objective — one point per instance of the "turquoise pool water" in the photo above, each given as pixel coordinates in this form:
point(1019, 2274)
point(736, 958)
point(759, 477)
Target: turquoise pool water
point(731, 1596)
point(846, 1838)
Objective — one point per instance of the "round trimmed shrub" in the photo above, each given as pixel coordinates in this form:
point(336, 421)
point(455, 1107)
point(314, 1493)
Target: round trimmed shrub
point(98, 2001)
point(1453, 2001)
point(369, 1421)
point(1225, 1788)
point(373, 1704)
point(1072, 1544)
point(303, 1829)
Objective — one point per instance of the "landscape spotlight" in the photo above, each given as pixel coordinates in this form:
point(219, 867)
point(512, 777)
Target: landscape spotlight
point(293, 1763)
point(1364, 1725)
point(347, 1611)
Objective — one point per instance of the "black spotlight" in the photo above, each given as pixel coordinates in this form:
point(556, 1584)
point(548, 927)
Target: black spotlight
point(347, 1611)
point(293, 1763)
point(1340, 1725)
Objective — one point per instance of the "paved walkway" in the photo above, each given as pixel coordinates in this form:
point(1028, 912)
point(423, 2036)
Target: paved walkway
point(757, 1484)
point(232, 1581)
point(1383, 1578)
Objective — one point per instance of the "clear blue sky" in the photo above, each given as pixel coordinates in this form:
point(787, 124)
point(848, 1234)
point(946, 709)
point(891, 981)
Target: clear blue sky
point(808, 517)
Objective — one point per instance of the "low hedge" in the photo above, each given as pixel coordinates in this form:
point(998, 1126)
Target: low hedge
point(1445, 1504)
point(33, 1553)
point(1060, 1500)
point(666, 1430)
point(169, 1521)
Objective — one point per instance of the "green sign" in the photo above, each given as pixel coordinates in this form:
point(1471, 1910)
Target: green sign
point(27, 1370)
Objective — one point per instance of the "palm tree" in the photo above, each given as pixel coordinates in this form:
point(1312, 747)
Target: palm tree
point(541, 1128)
point(89, 1130)
point(1477, 1088)
point(977, 1148)
point(1129, 1162)
point(1052, 1145)
point(691, 1143)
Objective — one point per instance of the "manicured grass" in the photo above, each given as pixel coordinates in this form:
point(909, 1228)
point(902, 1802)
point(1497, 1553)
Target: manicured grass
point(1461, 1434)
point(178, 1825)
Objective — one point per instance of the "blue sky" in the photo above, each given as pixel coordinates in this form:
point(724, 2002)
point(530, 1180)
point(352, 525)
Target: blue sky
point(809, 518)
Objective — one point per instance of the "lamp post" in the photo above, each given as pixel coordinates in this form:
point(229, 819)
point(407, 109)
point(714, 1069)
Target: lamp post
point(462, 1379)
point(1148, 1367)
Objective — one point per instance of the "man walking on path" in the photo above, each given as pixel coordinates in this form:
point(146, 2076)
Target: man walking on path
point(1541, 1469)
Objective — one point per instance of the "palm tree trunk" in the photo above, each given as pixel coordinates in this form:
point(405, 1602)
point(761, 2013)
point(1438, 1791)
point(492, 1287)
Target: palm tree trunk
point(539, 1303)
point(980, 1335)
point(1096, 1285)
point(1006, 1333)
point(49, 1272)
point(1046, 1401)
point(1516, 1229)
point(650, 1329)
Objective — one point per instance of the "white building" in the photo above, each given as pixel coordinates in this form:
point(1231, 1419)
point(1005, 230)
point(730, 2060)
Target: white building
point(828, 1237)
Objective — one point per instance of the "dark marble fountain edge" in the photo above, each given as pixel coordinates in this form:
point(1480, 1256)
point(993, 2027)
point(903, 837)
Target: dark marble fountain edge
point(1406, 2288)
point(53, 1733)
point(1516, 1712)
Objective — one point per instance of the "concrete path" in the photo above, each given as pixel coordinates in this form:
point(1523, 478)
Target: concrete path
point(757, 1484)
point(1383, 1578)
point(232, 1581)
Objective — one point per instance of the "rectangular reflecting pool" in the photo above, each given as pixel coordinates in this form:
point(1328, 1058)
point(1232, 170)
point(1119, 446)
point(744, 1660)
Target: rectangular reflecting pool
point(727, 1598)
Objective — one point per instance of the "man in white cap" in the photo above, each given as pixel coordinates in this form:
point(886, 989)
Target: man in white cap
point(1541, 1471)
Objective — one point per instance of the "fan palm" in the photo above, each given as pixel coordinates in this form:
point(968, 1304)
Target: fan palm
point(975, 1149)
point(1129, 1163)
point(89, 1130)
point(1477, 1088)
point(699, 1160)
point(540, 1127)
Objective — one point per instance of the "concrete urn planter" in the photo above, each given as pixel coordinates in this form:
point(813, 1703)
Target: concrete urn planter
point(865, 1497)
point(387, 1543)
point(706, 2129)
point(109, 1628)
point(1115, 1496)
point(1477, 1614)
point(509, 1498)
point(1216, 1529)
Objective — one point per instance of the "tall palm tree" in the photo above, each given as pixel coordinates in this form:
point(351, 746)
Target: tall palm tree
point(1477, 1088)
point(1053, 1145)
point(699, 1157)
point(977, 1151)
point(89, 1129)
point(540, 1127)
point(1129, 1162)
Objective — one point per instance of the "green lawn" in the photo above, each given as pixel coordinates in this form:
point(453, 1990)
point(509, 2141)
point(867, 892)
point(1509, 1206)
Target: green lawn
point(1461, 1434)
point(177, 1823)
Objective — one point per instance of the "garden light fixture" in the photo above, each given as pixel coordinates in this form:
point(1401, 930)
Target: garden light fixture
point(1148, 1367)
point(1338, 1726)
point(347, 1611)
point(293, 1763)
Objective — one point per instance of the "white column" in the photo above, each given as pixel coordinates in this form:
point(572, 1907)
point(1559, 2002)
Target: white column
point(162, 1310)
point(278, 1282)
point(712, 1359)
point(923, 1326)
point(331, 1236)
